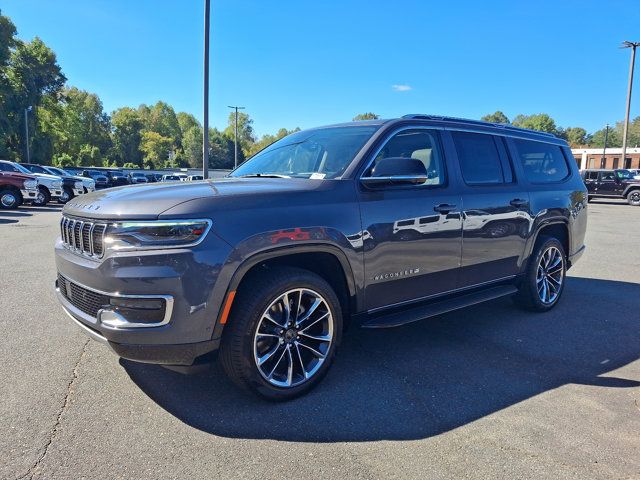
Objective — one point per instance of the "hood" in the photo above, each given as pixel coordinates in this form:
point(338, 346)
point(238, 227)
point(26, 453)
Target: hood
point(148, 201)
point(21, 176)
point(46, 176)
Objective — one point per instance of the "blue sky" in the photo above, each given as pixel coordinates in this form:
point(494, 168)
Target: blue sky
point(307, 63)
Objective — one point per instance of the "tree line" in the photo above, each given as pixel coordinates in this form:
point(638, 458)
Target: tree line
point(68, 126)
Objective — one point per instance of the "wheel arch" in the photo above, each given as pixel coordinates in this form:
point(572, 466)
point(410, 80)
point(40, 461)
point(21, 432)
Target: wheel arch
point(557, 228)
point(325, 260)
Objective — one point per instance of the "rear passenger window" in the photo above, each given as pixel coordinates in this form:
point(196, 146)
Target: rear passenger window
point(479, 158)
point(542, 162)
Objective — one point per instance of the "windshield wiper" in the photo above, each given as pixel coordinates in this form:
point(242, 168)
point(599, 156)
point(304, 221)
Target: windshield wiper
point(264, 175)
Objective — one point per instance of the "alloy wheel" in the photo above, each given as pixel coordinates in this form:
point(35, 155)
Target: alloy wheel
point(293, 337)
point(8, 200)
point(550, 275)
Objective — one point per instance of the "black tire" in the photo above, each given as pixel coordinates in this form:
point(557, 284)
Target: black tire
point(238, 350)
point(633, 198)
point(67, 194)
point(529, 295)
point(42, 198)
point(10, 199)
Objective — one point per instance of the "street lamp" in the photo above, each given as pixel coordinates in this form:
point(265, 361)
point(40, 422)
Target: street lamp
point(26, 130)
point(632, 46)
point(235, 149)
point(205, 113)
point(604, 150)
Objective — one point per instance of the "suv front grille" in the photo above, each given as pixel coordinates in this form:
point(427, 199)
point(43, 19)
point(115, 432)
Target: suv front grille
point(83, 236)
point(83, 299)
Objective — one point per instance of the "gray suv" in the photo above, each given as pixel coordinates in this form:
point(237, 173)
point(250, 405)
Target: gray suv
point(375, 224)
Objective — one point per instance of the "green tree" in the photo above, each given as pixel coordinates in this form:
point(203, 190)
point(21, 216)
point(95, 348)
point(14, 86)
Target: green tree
point(161, 118)
point(614, 138)
point(63, 160)
point(89, 156)
point(576, 136)
point(156, 148)
point(220, 150)
point(539, 121)
point(246, 137)
point(192, 146)
point(126, 135)
point(496, 117)
point(130, 165)
point(366, 116)
point(187, 121)
point(268, 139)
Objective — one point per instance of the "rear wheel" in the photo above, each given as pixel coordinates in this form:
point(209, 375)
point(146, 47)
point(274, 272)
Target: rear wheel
point(543, 282)
point(633, 198)
point(42, 198)
point(283, 333)
point(67, 194)
point(9, 199)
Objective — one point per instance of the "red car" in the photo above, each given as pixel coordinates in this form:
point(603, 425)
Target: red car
point(15, 188)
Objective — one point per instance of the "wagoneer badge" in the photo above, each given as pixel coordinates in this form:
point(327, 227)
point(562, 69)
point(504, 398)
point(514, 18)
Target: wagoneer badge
point(401, 273)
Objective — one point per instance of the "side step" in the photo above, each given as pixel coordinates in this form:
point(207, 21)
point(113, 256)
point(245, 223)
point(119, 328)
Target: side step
point(421, 312)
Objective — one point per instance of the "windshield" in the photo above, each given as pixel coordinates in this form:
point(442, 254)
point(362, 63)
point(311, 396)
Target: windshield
point(625, 174)
point(321, 153)
point(37, 169)
point(138, 174)
point(20, 168)
point(55, 171)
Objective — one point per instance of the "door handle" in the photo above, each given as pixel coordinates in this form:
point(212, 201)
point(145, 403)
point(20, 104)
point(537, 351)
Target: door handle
point(444, 208)
point(518, 203)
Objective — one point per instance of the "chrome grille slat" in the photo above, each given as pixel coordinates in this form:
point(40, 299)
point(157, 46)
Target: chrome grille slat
point(83, 236)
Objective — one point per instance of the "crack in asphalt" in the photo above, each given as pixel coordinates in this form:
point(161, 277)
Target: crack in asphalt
point(65, 404)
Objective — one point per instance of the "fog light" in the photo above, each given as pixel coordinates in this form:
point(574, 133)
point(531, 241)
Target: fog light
point(133, 312)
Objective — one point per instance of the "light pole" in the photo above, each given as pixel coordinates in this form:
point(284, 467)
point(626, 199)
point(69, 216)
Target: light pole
point(604, 150)
point(632, 46)
point(205, 113)
point(26, 131)
point(235, 146)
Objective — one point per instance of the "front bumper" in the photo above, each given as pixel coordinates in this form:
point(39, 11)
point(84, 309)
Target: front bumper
point(78, 191)
point(55, 193)
point(30, 194)
point(184, 277)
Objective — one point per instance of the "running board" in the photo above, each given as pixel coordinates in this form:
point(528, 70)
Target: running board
point(414, 314)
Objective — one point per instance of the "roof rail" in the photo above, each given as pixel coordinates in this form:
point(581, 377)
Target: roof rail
point(420, 116)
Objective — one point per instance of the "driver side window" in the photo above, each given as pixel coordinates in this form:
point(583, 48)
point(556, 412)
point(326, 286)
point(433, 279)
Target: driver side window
point(419, 144)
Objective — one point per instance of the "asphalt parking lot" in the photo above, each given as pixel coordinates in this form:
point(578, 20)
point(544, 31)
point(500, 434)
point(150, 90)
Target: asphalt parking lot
point(486, 392)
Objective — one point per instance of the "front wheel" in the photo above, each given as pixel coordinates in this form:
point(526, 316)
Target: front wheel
point(42, 198)
point(633, 198)
point(543, 282)
point(67, 194)
point(10, 199)
point(282, 334)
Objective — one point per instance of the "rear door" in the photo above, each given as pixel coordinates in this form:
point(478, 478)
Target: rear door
point(411, 234)
point(607, 184)
point(495, 209)
point(591, 181)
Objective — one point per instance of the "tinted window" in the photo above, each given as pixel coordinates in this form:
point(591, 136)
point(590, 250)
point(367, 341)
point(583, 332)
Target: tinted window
point(479, 158)
point(420, 145)
point(542, 162)
point(593, 176)
point(607, 177)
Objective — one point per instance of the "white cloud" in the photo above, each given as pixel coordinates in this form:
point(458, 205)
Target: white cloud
point(401, 88)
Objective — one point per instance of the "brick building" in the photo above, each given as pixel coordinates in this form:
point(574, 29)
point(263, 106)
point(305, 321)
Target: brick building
point(593, 158)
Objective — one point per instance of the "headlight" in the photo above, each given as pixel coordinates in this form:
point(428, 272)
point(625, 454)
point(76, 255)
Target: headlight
point(155, 234)
point(30, 184)
point(56, 184)
point(78, 185)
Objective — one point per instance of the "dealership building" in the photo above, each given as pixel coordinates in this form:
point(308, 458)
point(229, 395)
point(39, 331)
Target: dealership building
point(594, 158)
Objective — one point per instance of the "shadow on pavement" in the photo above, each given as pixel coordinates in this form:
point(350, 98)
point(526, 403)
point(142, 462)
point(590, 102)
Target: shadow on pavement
point(426, 378)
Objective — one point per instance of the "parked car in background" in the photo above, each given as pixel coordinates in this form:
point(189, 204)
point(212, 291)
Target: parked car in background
point(49, 186)
point(183, 177)
point(193, 178)
point(170, 178)
point(151, 177)
point(138, 177)
point(16, 188)
point(269, 264)
point(618, 183)
point(70, 186)
point(117, 178)
point(88, 184)
point(100, 179)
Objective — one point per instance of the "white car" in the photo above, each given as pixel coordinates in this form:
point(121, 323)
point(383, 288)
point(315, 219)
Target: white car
point(88, 184)
point(49, 186)
point(192, 178)
point(170, 178)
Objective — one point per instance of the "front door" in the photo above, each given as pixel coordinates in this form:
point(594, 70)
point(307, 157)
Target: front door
point(607, 184)
point(413, 233)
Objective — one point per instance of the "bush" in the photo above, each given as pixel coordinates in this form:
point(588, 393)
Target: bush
point(63, 160)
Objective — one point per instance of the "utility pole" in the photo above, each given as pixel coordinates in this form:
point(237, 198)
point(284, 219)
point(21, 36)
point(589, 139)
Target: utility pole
point(632, 46)
point(205, 113)
point(235, 149)
point(26, 131)
point(604, 150)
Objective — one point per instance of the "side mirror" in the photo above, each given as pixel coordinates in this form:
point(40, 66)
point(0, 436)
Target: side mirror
point(396, 171)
